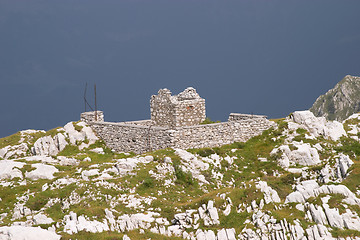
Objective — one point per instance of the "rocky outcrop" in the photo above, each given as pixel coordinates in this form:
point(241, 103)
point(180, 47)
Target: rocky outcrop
point(311, 188)
point(318, 126)
point(341, 101)
point(26, 233)
point(304, 155)
point(14, 151)
point(42, 171)
point(49, 146)
point(270, 195)
point(10, 169)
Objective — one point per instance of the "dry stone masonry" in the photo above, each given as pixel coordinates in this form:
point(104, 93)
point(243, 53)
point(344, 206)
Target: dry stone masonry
point(185, 109)
point(175, 122)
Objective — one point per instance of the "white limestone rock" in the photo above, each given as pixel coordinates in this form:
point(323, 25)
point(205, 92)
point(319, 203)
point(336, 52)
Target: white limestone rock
point(49, 146)
point(14, 151)
point(45, 146)
point(343, 163)
point(42, 171)
point(88, 132)
point(125, 237)
point(333, 217)
point(65, 161)
point(310, 188)
point(98, 150)
point(27, 233)
point(318, 125)
point(74, 224)
point(270, 195)
point(89, 173)
point(230, 233)
point(304, 155)
point(41, 158)
point(190, 163)
point(85, 133)
point(42, 219)
point(213, 213)
point(10, 169)
point(73, 134)
point(209, 235)
point(60, 141)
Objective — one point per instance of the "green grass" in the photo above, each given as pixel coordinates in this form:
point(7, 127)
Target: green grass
point(290, 213)
point(234, 220)
point(208, 121)
point(353, 180)
point(335, 202)
point(183, 178)
point(77, 127)
point(343, 233)
point(10, 140)
point(349, 147)
point(283, 184)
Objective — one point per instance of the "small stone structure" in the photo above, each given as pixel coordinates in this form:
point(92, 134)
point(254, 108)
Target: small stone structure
point(175, 122)
point(185, 109)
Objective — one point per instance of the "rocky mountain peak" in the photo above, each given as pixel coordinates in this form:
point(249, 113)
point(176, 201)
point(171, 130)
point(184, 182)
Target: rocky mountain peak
point(339, 102)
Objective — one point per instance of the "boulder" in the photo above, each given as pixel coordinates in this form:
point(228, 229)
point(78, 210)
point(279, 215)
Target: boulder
point(26, 233)
point(304, 155)
point(42, 171)
point(9, 169)
point(125, 237)
point(64, 161)
point(42, 219)
point(318, 126)
point(45, 146)
point(60, 141)
point(79, 136)
point(210, 235)
point(49, 146)
point(89, 173)
point(221, 235)
point(270, 195)
point(14, 151)
point(73, 134)
point(343, 163)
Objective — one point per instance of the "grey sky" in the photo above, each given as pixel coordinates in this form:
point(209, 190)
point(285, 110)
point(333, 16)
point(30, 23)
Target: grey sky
point(253, 56)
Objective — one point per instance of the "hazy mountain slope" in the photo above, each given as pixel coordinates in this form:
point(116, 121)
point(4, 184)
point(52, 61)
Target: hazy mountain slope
point(299, 180)
point(341, 101)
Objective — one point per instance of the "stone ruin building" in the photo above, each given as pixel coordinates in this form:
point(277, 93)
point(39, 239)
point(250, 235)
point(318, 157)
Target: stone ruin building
point(175, 122)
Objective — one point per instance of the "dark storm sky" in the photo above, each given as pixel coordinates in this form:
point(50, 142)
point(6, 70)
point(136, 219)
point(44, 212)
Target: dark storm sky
point(247, 56)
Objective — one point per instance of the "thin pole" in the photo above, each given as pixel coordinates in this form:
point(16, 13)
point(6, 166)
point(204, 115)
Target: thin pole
point(85, 96)
point(95, 103)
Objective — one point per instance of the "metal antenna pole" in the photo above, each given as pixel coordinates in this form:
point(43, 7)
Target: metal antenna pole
point(85, 96)
point(95, 103)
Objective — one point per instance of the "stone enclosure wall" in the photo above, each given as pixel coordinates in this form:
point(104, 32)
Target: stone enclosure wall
point(128, 137)
point(175, 122)
point(139, 138)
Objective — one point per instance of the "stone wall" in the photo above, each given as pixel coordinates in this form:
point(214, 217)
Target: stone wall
point(175, 122)
point(140, 136)
point(90, 116)
point(241, 116)
point(123, 137)
point(185, 109)
point(217, 134)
